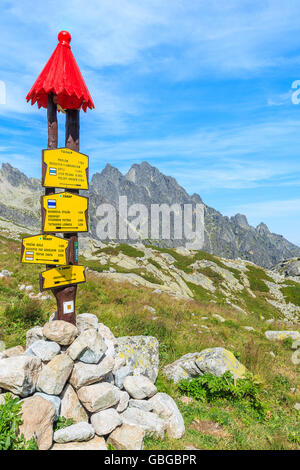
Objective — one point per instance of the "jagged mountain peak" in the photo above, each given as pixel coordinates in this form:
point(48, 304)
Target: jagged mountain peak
point(110, 171)
point(262, 229)
point(15, 177)
point(196, 198)
point(109, 174)
point(154, 180)
point(144, 184)
point(142, 172)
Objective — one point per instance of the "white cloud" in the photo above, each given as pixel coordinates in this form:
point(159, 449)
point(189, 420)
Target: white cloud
point(171, 38)
point(266, 209)
point(232, 157)
point(225, 36)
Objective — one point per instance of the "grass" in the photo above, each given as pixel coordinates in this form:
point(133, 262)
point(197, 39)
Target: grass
point(199, 292)
point(122, 248)
point(100, 268)
point(157, 265)
point(184, 262)
point(181, 262)
point(240, 428)
point(213, 275)
point(258, 306)
point(178, 326)
point(256, 277)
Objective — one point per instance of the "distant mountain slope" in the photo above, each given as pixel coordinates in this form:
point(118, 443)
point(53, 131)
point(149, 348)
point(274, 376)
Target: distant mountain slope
point(229, 237)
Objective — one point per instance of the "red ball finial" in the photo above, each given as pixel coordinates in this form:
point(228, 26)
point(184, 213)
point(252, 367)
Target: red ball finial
point(64, 38)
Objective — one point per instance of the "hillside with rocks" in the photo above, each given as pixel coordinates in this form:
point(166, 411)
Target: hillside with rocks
point(179, 350)
point(144, 184)
point(191, 274)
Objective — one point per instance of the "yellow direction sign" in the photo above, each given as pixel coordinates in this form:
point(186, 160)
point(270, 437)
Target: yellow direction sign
point(64, 212)
point(44, 249)
point(65, 168)
point(61, 276)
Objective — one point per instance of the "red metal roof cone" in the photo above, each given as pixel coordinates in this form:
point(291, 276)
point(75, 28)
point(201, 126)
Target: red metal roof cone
point(62, 77)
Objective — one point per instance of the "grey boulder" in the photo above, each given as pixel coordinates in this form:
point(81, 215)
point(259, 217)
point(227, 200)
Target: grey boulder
point(55, 374)
point(52, 399)
point(99, 396)
point(165, 407)
point(89, 347)
point(105, 421)
point(76, 432)
point(45, 350)
point(140, 352)
point(19, 374)
point(152, 424)
point(139, 387)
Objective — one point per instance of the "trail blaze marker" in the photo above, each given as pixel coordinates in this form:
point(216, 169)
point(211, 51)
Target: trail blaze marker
point(60, 86)
point(64, 168)
point(62, 276)
point(64, 212)
point(44, 249)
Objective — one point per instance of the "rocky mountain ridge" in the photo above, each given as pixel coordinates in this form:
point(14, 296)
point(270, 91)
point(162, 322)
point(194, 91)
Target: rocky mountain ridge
point(144, 184)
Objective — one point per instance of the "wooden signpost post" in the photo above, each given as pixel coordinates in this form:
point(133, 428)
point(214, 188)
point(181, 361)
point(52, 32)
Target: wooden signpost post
point(60, 86)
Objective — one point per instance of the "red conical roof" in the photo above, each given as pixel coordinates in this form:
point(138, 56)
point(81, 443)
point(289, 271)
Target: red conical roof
point(62, 77)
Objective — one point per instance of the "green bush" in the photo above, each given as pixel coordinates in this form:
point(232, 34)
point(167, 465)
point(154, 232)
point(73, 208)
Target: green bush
point(287, 342)
point(209, 388)
point(10, 420)
point(256, 278)
point(63, 422)
point(232, 324)
point(220, 416)
point(27, 311)
point(128, 250)
point(292, 294)
point(294, 436)
point(281, 382)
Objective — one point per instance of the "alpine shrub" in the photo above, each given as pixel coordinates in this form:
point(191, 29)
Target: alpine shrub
point(63, 422)
point(209, 388)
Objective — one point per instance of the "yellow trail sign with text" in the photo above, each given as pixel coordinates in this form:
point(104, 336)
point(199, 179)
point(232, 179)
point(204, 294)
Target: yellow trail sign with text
point(64, 168)
point(44, 249)
point(64, 212)
point(62, 276)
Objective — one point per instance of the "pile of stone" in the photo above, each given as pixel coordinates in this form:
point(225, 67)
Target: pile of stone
point(105, 385)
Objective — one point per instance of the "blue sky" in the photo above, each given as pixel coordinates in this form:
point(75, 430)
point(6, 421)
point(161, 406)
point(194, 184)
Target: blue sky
point(201, 89)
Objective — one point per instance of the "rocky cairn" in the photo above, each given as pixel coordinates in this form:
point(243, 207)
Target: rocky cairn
point(106, 385)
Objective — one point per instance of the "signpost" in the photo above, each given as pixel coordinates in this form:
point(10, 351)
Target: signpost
point(60, 86)
point(64, 168)
point(64, 212)
point(61, 276)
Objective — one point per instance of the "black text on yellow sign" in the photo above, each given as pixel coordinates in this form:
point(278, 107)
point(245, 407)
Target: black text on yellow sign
point(64, 168)
point(62, 276)
point(64, 212)
point(44, 249)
